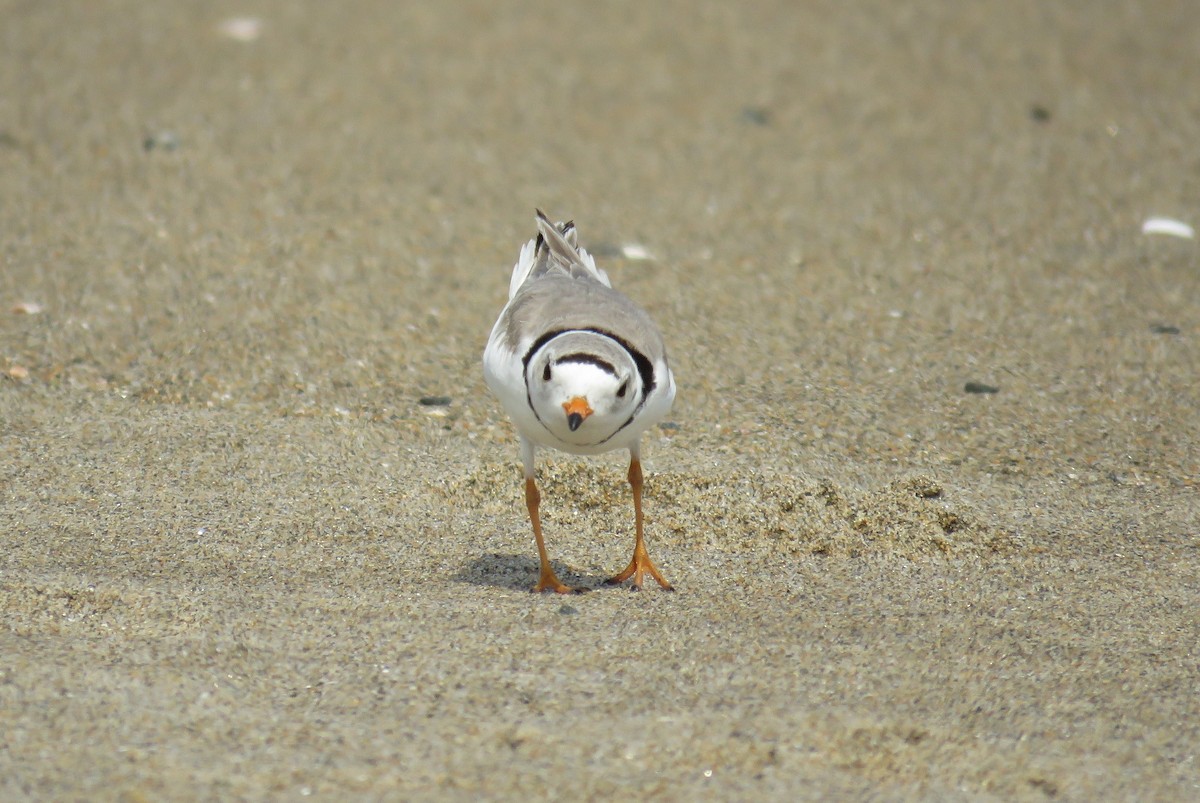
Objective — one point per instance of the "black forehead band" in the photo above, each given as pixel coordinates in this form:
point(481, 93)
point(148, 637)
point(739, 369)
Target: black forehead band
point(644, 366)
point(584, 358)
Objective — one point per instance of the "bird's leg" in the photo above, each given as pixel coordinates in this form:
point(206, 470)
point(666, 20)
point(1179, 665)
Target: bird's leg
point(547, 580)
point(641, 562)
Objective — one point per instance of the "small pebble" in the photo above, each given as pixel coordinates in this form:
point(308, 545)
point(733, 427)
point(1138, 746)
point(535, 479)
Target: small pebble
point(163, 140)
point(634, 252)
point(926, 489)
point(1164, 329)
point(568, 610)
point(26, 308)
point(756, 115)
point(435, 401)
point(1039, 113)
point(979, 387)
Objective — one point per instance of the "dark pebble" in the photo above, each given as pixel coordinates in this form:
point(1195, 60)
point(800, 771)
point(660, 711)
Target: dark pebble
point(669, 426)
point(164, 140)
point(435, 401)
point(1164, 329)
point(1039, 113)
point(979, 387)
point(755, 115)
point(568, 610)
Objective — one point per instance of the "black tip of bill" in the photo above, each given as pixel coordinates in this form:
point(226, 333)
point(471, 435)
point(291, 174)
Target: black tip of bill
point(574, 420)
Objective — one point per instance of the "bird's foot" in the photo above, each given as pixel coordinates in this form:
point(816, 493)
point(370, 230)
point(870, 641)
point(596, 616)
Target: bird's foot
point(640, 566)
point(548, 581)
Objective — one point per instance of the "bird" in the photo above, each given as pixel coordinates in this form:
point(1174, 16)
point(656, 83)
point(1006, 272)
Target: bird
point(580, 368)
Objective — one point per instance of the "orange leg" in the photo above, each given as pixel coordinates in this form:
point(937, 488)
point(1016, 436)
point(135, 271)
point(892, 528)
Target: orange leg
point(641, 562)
point(547, 580)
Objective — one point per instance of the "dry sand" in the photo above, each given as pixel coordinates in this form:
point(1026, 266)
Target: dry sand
point(240, 559)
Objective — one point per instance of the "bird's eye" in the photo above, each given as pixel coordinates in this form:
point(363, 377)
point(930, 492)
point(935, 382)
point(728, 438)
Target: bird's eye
point(546, 374)
point(621, 390)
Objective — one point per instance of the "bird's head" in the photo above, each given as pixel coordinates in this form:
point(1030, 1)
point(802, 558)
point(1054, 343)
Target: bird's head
point(583, 387)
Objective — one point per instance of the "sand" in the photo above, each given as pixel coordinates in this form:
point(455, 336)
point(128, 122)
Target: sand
point(242, 559)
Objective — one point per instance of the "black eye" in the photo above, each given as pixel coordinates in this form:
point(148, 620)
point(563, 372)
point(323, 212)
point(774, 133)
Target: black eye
point(621, 390)
point(546, 373)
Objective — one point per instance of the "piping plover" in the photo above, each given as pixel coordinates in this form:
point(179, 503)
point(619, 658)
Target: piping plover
point(580, 368)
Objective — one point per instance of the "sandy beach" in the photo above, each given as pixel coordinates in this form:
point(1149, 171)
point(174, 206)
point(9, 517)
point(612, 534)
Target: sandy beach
point(929, 494)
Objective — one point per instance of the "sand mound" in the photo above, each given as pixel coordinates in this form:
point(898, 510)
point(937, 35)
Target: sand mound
point(911, 517)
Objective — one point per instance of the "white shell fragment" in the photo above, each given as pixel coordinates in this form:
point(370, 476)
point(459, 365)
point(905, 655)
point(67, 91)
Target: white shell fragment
point(635, 252)
point(1170, 226)
point(241, 29)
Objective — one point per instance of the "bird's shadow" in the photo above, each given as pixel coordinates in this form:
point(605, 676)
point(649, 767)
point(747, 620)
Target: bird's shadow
point(519, 573)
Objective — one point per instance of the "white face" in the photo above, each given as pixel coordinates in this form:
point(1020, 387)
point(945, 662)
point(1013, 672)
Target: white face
point(582, 402)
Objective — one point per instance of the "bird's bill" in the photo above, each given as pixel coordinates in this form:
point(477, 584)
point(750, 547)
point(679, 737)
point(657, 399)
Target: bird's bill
point(576, 409)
